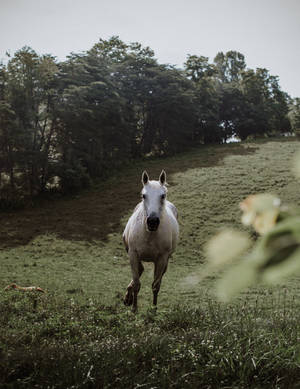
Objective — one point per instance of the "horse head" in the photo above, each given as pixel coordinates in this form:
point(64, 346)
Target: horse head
point(154, 195)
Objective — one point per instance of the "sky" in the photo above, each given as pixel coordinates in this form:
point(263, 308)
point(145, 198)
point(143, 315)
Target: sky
point(267, 32)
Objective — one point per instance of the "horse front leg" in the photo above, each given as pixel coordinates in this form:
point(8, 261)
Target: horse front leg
point(160, 267)
point(134, 286)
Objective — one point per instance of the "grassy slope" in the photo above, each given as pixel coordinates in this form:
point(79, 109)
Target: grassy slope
point(73, 249)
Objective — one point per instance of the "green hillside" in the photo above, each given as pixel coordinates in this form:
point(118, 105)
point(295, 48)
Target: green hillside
point(79, 333)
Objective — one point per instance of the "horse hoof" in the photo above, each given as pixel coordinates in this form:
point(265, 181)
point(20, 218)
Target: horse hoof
point(134, 309)
point(128, 300)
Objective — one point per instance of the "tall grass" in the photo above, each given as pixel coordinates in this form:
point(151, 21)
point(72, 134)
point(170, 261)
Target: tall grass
point(52, 342)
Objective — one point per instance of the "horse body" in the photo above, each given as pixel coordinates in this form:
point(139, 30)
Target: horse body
point(149, 246)
point(150, 235)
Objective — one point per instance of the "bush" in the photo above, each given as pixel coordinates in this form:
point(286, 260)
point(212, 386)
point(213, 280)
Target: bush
point(73, 178)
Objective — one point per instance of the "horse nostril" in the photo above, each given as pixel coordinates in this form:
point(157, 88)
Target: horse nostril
point(153, 223)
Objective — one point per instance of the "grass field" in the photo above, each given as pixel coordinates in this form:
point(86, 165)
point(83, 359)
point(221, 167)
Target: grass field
point(80, 335)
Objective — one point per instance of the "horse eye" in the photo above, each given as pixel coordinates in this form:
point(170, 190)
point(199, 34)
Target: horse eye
point(163, 196)
point(144, 196)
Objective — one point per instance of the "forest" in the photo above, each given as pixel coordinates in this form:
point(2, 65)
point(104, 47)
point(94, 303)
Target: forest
point(65, 124)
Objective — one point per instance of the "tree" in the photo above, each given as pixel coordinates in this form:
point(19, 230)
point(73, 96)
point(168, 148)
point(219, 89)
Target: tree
point(266, 106)
point(7, 135)
point(173, 112)
point(294, 116)
point(279, 107)
point(135, 79)
point(198, 68)
point(229, 66)
point(233, 110)
point(31, 94)
point(206, 100)
point(94, 131)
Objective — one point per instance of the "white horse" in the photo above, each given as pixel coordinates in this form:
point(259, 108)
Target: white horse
point(150, 235)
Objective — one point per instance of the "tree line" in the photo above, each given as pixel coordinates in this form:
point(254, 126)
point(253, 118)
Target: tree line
point(64, 124)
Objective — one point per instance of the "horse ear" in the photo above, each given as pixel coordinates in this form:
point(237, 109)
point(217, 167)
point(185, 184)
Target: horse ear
point(145, 177)
point(163, 177)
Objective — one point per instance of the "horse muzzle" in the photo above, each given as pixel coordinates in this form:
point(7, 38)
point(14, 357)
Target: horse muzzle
point(153, 223)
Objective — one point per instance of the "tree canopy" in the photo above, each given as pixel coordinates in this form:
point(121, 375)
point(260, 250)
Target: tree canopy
point(64, 124)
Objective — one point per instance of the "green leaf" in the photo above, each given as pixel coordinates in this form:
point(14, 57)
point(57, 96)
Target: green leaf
point(239, 277)
point(289, 266)
point(226, 247)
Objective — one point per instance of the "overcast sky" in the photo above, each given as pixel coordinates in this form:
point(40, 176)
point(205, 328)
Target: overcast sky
point(267, 32)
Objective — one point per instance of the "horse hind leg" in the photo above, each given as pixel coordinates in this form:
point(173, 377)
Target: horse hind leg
point(132, 289)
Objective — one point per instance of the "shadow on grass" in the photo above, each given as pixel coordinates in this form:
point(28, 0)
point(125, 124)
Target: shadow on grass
point(94, 214)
